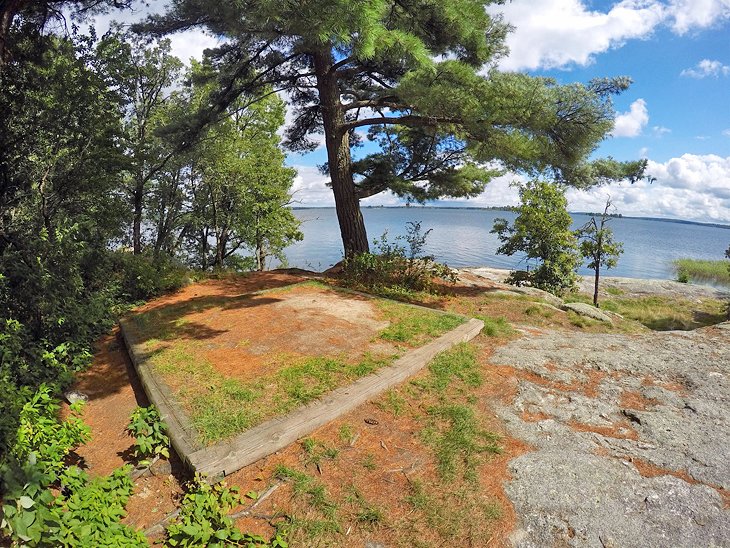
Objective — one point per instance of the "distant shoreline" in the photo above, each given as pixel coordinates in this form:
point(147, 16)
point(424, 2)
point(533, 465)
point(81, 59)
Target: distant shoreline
point(506, 208)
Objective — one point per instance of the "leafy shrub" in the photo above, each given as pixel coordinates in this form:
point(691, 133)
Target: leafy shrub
point(398, 267)
point(203, 520)
point(91, 513)
point(27, 501)
point(541, 231)
point(143, 277)
point(86, 512)
point(148, 429)
point(40, 433)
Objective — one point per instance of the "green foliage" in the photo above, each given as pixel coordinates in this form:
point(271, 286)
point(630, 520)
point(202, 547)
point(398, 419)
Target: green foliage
point(143, 277)
point(40, 433)
point(91, 514)
point(459, 363)
point(412, 326)
point(149, 432)
point(542, 231)
point(495, 327)
point(395, 266)
point(85, 513)
point(203, 520)
point(598, 246)
point(241, 192)
point(315, 494)
point(458, 439)
point(317, 450)
point(27, 501)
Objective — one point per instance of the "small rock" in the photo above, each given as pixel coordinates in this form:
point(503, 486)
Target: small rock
point(73, 396)
point(588, 311)
point(161, 468)
point(374, 544)
point(544, 295)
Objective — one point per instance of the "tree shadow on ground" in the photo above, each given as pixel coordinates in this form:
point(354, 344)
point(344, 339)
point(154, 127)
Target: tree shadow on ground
point(111, 372)
point(169, 322)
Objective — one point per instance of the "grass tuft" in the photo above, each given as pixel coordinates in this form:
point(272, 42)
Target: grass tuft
point(717, 272)
point(458, 439)
point(414, 326)
point(496, 327)
point(457, 363)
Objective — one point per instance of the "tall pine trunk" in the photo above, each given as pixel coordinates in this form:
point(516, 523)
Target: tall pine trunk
point(595, 288)
point(347, 204)
point(138, 205)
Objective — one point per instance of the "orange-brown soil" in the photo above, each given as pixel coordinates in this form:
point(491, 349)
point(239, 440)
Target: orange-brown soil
point(383, 463)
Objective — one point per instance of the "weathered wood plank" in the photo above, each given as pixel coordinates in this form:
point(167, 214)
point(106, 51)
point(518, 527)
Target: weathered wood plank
point(179, 430)
point(226, 457)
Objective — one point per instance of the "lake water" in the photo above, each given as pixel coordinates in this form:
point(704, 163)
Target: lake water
point(461, 237)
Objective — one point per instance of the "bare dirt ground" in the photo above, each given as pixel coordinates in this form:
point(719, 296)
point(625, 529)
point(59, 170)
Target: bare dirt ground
point(608, 438)
point(240, 333)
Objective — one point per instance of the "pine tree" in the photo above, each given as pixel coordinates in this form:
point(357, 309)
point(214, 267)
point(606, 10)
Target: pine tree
point(420, 74)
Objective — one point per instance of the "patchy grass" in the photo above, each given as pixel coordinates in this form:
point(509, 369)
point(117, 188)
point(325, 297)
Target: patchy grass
point(220, 406)
point(365, 513)
point(462, 514)
point(314, 493)
point(316, 450)
point(393, 402)
point(660, 313)
point(346, 433)
point(697, 270)
point(457, 438)
point(369, 462)
point(539, 309)
point(459, 363)
point(414, 326)
point(496, 327)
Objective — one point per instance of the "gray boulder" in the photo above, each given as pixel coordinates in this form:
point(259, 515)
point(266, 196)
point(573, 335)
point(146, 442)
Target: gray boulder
point(588, 311)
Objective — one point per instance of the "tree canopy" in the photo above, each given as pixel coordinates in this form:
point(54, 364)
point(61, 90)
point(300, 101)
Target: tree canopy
point(542, 231)
point(420, 74)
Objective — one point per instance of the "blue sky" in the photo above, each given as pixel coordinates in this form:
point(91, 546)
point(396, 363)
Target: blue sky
point(676, 114)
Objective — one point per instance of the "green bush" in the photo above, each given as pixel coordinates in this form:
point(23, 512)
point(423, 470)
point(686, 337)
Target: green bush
point(397, 268)
point(41, 434)
point(85, 512)
point(143, 277)
point(149, 431)
point(203, 520)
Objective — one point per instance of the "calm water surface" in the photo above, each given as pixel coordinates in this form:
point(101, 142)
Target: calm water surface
point(461, 237)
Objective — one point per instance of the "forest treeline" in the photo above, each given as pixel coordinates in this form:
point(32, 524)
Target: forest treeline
point(102, 203)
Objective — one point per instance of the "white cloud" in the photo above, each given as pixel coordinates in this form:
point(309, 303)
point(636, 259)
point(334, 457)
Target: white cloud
point(561, 33)
point(691, 187)
point(726, 133)
point(631, 123)
point(659, 131)
point(706, 68)
point(558, 33)
point(310, 188)
point(688, 15)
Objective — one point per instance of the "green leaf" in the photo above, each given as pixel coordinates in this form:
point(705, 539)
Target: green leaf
point(26, 502)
